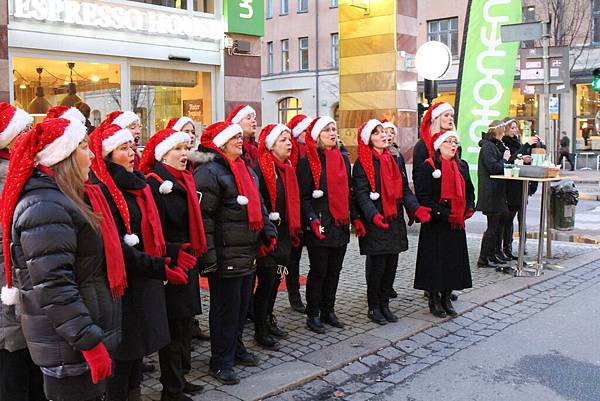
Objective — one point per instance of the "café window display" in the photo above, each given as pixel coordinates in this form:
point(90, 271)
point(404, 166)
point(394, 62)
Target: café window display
point(39, 84)
point(158, 94)
point(587, 119)
point(524, 108)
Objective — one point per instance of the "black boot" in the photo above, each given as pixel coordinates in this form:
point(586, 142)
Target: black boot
point(314, 323)
point(482, 262)
point(393, 294)
point(387, 313)
point(435, 305)
point(510, 255)
point(494, 259)
point(501, 256)
point(296, 301)
point(274, 329)
point(262, 336)
point(331, 319)
point(376, 316)
point(453, 296)
point(447, 304)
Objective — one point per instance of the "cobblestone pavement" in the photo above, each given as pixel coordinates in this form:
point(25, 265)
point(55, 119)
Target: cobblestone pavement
point(373, 377)
point(351, 308)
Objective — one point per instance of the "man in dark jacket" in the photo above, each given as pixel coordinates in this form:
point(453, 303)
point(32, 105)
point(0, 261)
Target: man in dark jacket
point(565, 151)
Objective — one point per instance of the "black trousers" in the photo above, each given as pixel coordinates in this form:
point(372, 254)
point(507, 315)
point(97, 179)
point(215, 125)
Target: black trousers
point(490, 236)
point(380, 272)
point(174, 357)
point(506, 231)
point(20, 378)
point(229, 300)
point(126, 377)
point(266, 292)
point(569, 157)
point(292, 279)
point(323, 278)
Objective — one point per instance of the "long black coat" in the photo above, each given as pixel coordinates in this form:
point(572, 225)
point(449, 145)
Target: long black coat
point(284, 243)
point(183, 301)
point(442, 257)
point(145, 327)
point(380, 241)
point(420, 154)
point(311, 208)
point(232, 246)
point(60, 268)
point(514, 189)
point(491, 192)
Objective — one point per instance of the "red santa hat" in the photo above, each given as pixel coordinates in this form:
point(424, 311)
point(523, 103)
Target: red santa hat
point(214, 137)
point(240, 112)
point(433, 112)
point(443, 137)
point(314, 129)
point(102, 142)
point(158, 146)
point(365, 155)
point(70, 113)
point(268, 136)
point(47, 144)
point(177, 123)
point(298, 124)
point(13, 121)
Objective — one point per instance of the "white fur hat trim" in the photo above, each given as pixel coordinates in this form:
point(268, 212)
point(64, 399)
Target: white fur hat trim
point(317, 193)
point(125, 119)
point(166, 187)
point(274, 134)
point(115, 140)
point(10, 296)
point(173, 140)
point(131, 239)
point(244, 111)
point(301, 127)
point(436, 173)
point(374, 196)
point(274, 216)
point(441, 109)
point(320, 125)
point(18, 122)
point(389, 124)
point(63, 146)
point(73, 113)
point(448, 134)
point(242, 200)
point(222, 137)
point(181, 122)
point(365, 134)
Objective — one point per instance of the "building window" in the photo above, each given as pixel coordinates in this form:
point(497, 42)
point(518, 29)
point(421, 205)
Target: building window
point(269, 57)
point(445, 31)
point(302, 6)
point(333, 3)
point(335, 50)
point(288, 108)
point(285, 55)
point(596, 22)
point(269, 10)
point(303, 53)
point(284, 7)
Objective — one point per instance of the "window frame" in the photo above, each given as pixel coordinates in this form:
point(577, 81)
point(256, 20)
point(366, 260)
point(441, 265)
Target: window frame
point(280, 109)
point(281, 7)
point(595, 22)
point(269, 10)
point(270, 58)
point(334, 3)
point(285, 61)
point(299, 3)
point(300, 55)
point(450, 33)
point(335, 50)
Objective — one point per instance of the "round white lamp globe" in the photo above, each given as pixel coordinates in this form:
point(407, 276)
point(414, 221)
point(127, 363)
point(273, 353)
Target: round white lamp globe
point(433, 60)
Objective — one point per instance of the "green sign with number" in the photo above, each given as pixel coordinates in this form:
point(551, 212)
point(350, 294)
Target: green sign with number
point(245, 16)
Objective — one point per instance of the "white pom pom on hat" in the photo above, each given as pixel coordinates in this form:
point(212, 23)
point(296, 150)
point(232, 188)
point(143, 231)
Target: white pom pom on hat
point(317, 193)
point(242, 200)
point(166, 187)
point(10, 296)
point(436, 173)
point(274, 216)
point(131, 239)
point(374, 196)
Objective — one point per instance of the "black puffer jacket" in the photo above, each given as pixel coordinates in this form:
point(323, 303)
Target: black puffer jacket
point(491, 193)
point(66, 301)
point(232, 246)
point(284, 245)
point(182, 300)
point(335, 236)
point(380, 241)
point(145, 327)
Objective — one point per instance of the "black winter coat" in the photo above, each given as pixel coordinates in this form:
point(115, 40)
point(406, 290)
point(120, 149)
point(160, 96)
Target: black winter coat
point(284, 242)
point(145, 327)
point(442, 256)
point(232, 246)
point(514, 189)
point(420, 154)
point(183, 301)
point(491, 193)
point(380, 241)
point(311, 208)
point(60, 269)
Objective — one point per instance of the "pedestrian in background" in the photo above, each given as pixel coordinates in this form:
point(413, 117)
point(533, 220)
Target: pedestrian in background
point(443, 184)
point(565, 150)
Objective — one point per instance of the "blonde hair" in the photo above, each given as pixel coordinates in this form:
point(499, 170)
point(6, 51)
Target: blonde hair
point(495, 128)
point(436, 125)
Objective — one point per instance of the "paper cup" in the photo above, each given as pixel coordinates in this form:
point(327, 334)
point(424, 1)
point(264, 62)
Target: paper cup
point(508, 172)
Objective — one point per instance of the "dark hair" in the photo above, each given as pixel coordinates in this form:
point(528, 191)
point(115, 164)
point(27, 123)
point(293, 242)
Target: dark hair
point(84, 109)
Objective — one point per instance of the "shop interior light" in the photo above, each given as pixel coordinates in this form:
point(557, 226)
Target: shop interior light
point(71, 99)
point(39, 105)
point(95, 78)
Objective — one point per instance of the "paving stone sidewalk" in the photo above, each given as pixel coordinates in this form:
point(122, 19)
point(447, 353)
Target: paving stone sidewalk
point(305, 355)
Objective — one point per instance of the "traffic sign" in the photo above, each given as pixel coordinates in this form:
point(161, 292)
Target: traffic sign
point(553, 108)
point(532, 70)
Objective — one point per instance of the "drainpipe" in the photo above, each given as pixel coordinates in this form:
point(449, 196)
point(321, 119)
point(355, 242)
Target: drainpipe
point(317, 56)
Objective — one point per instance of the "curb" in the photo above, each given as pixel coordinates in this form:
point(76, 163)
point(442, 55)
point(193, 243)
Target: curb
point(320, 363)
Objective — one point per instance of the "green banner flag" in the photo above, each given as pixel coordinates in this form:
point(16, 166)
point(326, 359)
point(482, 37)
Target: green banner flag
point(486, 75)
point(245, 16)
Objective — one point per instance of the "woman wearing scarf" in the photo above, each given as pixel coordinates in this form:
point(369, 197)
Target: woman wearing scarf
point(245, 116)
point(145, 327)
point(46, 198)
point(327, 208)
point(443, 184)
point(279, 189)
point(236, 225)
point(164, 161)
point(381, 191)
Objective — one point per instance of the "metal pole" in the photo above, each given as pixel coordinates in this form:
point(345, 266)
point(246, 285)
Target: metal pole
point(549, 138)
point(522, 229)
point(543, 207)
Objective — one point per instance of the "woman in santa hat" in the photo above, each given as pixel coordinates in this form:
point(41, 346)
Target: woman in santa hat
point(298, 125)
point(164, 161)
point(438, 119)
point(245, 116)
point(381, 191)
point(279, 189)
point(237, 225)
point(145, 327)
point(327, 208)
point(133, 123)
point(443, 184)
point(46, 198)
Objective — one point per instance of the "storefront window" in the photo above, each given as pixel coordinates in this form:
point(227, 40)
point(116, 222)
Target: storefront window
point(158, 94)
point(205, 6)
point(587, 119)
point(288, 108)
point(524, 109)
point(42, 83)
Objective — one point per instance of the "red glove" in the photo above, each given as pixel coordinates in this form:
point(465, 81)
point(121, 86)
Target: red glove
point(469, 213)
point(422, 213)
point(99, 362)
point(315, 227)
point(184, 259)
point(359, 228)
point(295, 241)
point(264, 250)
point(378, 221)
point(176, 275)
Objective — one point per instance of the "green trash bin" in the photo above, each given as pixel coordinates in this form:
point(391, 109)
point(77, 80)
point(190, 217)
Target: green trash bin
point(563, 202)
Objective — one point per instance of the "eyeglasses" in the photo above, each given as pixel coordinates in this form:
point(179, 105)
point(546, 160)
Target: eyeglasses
point(451, 142)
